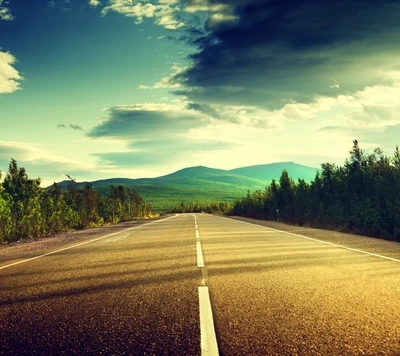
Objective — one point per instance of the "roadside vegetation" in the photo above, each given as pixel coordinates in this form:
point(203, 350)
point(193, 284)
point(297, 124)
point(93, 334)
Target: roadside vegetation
point(362, 196)
point(27, 210)
point(214, 207)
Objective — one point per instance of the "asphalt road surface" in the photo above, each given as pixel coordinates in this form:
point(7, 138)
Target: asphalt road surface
point(146, 291)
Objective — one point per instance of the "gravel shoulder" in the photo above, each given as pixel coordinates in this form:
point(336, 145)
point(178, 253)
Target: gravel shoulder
point(24, 249)
point(364, 243)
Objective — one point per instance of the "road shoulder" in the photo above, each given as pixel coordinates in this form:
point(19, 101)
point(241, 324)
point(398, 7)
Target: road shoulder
point(29, 248)
point(365, 243)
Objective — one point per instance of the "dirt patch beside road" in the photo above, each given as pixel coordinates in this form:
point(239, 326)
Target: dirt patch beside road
point(364, 243)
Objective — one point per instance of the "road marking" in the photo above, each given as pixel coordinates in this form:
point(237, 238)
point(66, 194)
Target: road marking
point(322, 241)
point(204, 275)
point(80, 244)
point(209, 346)
point(200, 260)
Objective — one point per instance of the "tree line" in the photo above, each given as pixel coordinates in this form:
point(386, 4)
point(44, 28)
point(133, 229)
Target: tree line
point(213, 207)
point(27, 210)
point(362, 196)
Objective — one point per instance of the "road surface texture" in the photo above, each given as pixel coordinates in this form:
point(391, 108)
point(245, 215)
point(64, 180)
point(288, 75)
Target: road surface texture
point(136, 291)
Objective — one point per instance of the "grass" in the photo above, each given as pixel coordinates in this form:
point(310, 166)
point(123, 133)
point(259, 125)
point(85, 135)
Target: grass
point(163, 198)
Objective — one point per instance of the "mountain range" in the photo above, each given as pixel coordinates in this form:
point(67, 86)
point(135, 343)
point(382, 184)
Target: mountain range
point(202, 184)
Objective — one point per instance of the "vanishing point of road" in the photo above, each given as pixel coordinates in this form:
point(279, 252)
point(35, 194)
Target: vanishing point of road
point(196, 284)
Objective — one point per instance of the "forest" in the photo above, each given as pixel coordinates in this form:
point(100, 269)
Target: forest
point(27, 210)
point(362, 197)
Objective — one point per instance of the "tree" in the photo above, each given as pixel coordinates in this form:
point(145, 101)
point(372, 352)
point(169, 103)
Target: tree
point(27, 210)
point(5, 215)
point(286, 197)
point(300, 200)
point(25, 195)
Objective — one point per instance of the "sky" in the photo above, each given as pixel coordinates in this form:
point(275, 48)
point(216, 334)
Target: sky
point(141, 88)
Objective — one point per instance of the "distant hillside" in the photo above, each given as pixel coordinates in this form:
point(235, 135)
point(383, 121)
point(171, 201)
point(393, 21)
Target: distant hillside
point(274, 170)
point(202, 184)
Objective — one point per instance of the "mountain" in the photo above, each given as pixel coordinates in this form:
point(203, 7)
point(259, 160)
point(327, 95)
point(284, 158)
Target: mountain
point(274, 171)
point(202, 184)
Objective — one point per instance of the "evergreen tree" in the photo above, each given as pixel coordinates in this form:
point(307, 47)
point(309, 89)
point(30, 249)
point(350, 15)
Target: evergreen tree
point(363, 196)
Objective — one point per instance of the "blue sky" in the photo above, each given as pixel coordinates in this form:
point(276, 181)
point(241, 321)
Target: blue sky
point(129, 88)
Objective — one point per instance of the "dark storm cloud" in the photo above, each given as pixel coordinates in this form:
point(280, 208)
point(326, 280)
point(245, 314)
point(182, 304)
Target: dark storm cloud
point(277, 51)
point(76, 127)
point(155, 133)
point(72, 126)
point(147, 121)
point(203, 108)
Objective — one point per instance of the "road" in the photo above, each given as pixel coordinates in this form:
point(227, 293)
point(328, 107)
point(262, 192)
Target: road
point(146, 291)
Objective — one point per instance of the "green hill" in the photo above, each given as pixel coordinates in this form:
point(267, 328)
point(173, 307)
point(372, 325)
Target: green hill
point(274, 170)
point(202, 184)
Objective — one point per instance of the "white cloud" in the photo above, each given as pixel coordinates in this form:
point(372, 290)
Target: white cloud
point(163, 13)
point(94, 3)
point(377, 104)
point(38, 162)
point(218, 14)
point(335, 86)
point(130, 9)
point(168, 2)
point(343, 118)
point(30, 151)
point(218, 19)
point(5, 13)
point(41, 161)
point(9, 76)
point(298, 111)
point(248, 116)
point(206, 6)
point(166, 18)
point(372, 108)
point(166, 82)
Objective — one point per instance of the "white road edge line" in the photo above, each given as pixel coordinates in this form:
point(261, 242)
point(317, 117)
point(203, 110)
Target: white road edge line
point(80, 244)
point(200, 259)
point(322, 242)
point(209, 345)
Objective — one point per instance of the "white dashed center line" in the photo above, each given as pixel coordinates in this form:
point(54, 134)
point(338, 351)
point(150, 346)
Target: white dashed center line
point(200, 260)
point(209, 344)
point(208, 339)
